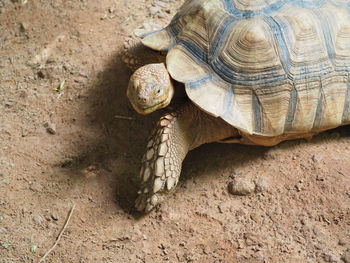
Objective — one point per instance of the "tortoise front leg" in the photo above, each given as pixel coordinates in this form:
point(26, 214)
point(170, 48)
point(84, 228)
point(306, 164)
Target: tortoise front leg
point(175, 134)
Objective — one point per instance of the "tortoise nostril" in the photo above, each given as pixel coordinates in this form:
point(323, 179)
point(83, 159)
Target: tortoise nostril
point(142, 99)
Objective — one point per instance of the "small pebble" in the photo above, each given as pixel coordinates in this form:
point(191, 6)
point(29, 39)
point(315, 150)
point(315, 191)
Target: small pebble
point(36, 187)
point(38, 220)
point(241, 186)
point(161, 15)
point(317, 158)
point(54, 217)
point(298, 187)
point(328, 257)
point(250, 239)
point(3, 230)
point(80, 80)
point(342, 242)
point(261, 185)
point(154, 10)
point(23, 27)
point(50, 127)
point(254, 217)
point(46, 73)
point(221, 208)
point(319, 177)
point(260, 255)
point(240, 244)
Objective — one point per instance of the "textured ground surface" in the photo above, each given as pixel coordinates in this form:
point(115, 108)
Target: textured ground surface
point(92, 159)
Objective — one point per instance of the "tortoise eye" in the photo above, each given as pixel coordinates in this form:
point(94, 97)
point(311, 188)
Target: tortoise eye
point(159, 92)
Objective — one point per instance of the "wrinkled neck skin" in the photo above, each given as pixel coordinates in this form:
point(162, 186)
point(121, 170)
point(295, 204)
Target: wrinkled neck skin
point(199, 127)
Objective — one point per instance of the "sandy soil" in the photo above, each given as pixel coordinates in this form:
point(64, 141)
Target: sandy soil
point(61, 85)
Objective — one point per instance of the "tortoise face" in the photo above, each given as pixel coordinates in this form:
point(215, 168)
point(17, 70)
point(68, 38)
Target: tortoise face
point(150, 88)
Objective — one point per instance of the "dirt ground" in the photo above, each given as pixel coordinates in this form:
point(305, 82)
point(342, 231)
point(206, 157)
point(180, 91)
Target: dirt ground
point(62, 84)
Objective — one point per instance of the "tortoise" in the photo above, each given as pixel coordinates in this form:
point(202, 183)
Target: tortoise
point(256, 72)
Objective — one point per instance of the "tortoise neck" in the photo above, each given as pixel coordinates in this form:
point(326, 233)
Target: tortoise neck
point(203, 128)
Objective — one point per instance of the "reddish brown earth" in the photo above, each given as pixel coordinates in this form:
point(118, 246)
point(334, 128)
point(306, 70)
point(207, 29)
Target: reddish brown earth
point(92, 159)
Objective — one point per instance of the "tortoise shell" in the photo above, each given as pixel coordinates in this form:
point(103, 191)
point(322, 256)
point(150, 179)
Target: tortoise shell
point(267, 67)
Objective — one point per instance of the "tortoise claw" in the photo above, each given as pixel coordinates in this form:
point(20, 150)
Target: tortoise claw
point(145, 203)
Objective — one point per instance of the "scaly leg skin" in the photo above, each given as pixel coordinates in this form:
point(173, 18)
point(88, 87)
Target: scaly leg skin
point(175, 134)
point(136, 55)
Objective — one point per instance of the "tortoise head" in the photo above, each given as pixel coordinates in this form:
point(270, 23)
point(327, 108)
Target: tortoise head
point(150, 88)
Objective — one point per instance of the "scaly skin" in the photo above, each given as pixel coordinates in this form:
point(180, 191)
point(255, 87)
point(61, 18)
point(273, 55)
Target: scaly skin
point(175, 134)
point(150, 88)
point(136, 55)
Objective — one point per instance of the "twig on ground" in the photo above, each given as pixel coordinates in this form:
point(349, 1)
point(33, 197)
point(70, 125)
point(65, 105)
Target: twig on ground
point(59, 236)
point(123, 117)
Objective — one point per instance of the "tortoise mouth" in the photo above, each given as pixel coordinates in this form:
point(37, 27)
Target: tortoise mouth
point(149, 109)
point(146, 109)
point(154, 108)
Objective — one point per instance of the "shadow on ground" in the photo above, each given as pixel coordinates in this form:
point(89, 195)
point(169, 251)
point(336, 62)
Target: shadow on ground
point(125, 139)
